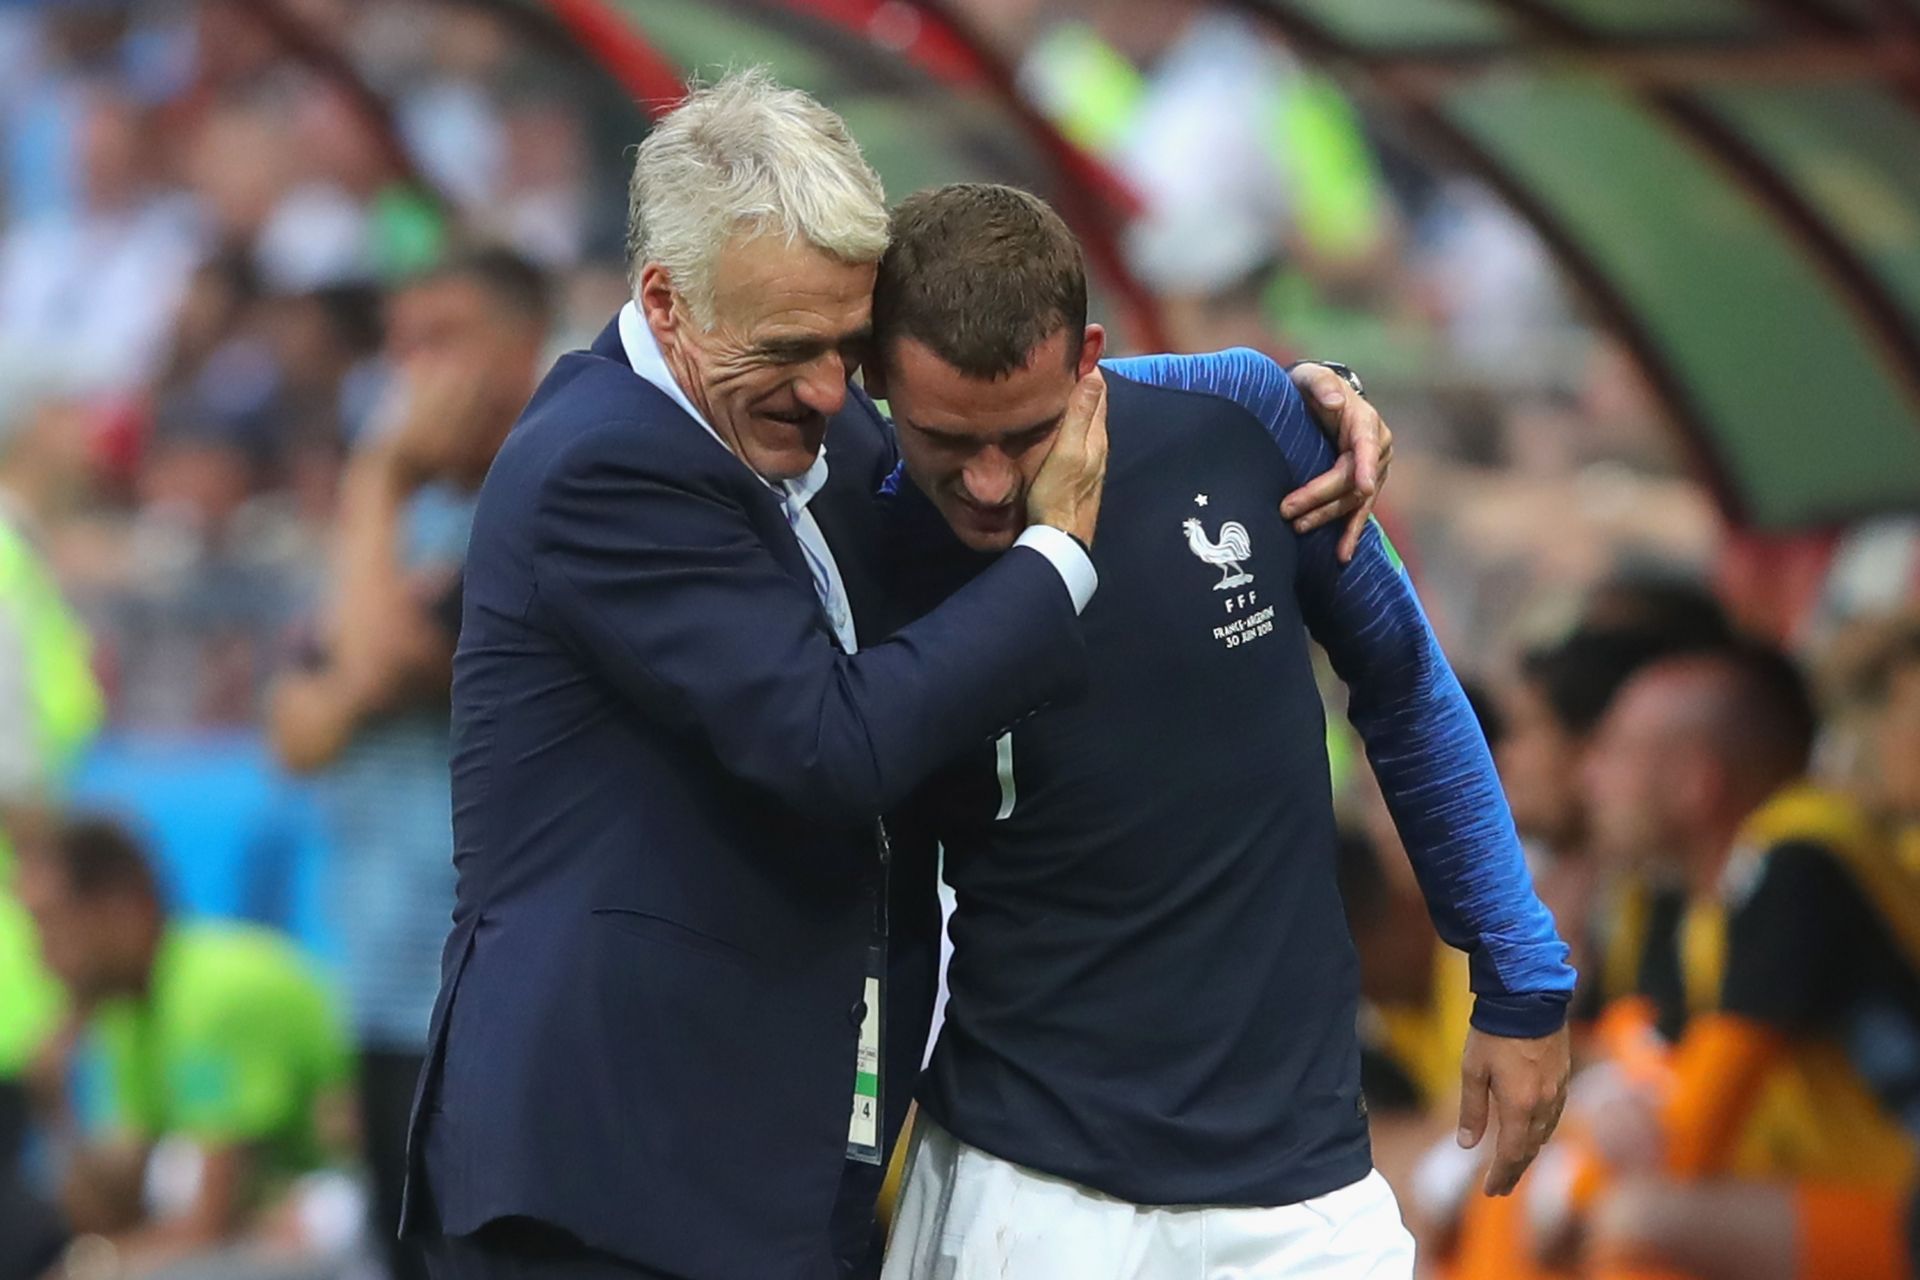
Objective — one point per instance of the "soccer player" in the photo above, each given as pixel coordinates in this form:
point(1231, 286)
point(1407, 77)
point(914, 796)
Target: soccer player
point(1149, 1065)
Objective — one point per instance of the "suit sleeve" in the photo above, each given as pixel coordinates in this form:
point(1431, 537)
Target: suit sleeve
point(669, 590)
point(1421, 736)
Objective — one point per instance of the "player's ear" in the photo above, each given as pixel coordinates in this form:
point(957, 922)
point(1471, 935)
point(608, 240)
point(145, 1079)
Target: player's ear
point(1092, 347)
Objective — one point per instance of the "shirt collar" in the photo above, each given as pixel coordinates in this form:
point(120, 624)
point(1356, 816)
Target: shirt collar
point(643, 353)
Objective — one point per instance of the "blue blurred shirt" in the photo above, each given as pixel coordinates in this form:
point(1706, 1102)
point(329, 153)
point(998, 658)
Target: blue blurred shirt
point(388, 811)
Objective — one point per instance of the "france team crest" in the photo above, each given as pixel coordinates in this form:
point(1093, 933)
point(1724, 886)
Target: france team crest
point(1235, 544)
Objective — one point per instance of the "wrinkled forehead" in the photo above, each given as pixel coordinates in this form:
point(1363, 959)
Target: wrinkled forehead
point(770, 279)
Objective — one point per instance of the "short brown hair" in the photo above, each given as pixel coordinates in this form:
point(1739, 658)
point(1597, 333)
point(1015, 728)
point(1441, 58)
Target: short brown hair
point(99, 856)
point(982, 274)
point(509, 278)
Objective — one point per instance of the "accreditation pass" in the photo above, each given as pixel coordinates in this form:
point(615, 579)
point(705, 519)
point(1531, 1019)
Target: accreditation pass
point(863, 1129)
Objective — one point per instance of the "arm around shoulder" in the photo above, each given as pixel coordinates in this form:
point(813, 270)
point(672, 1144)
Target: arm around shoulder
point(668, 585)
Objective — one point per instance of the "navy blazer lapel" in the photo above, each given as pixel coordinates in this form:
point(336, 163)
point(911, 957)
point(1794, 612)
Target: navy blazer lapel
point(608, 345)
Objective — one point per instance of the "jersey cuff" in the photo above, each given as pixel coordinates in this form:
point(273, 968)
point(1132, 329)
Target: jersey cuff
point(1527, 1016)
point(1064, 552)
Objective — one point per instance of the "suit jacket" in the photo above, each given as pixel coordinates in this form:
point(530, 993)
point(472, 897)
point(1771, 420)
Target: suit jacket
point(666, 783)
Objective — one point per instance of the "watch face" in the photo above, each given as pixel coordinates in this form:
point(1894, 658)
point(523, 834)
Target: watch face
point(1347, 375)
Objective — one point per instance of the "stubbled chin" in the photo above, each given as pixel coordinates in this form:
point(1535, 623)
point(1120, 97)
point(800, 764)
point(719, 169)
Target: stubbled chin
point(780, 465)
point(787, 459)
point(787, 448)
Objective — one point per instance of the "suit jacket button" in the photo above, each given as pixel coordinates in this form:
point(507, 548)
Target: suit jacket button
point(858, 1014)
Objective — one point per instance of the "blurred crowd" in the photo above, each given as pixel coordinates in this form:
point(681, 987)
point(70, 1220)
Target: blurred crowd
point(1729, 839)
point(200, 227)
point(201, 236)
point(262, 326)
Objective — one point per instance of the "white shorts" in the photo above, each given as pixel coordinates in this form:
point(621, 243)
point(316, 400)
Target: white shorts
point(966, 1215)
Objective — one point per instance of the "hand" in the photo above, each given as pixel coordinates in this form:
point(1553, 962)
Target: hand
point(1526, 1082)
point(1622, 1119)
point(401, 654)
point(1352, 484)
point(444, 427)
point(1066, 492)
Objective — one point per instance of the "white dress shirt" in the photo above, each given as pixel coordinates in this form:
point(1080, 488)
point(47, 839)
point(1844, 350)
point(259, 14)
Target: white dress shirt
point(1062, 552)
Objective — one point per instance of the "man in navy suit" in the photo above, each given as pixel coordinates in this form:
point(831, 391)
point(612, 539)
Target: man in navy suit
point(672, 741)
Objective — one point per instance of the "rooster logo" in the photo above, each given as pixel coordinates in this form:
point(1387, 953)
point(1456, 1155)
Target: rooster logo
point(1233, 547)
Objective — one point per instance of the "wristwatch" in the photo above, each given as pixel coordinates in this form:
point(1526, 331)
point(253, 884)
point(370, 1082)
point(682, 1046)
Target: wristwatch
point(1343, 372)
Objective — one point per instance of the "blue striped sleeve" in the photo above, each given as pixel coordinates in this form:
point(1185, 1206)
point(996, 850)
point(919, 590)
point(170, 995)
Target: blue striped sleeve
point(1420, 732)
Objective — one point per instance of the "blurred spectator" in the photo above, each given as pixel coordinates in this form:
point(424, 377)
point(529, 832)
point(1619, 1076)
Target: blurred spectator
point(235, 160)
point(368, 714)
point(448, 112)
point(86, 299)
point(327, 346)
point(321, 231)
point(220, 1055)
point(1896, 739)
point(197, 582)
point(191, 589)
point(1771, 1143)
point(1875, 745)
point(51, 707)
point(1248, 166)
point(1201, 148)
point(220, 297)
point(1620, 919)
point(540, 207)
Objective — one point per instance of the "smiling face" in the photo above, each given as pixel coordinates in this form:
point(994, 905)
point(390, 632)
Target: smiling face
point(788, 328)
point(974, 445)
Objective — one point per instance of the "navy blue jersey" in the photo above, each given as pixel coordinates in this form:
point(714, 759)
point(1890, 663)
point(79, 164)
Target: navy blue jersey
point(1153, 990)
